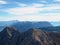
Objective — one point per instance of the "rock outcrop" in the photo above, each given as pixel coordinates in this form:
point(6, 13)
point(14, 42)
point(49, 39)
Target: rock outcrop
point(35, 37)
point(10, 36)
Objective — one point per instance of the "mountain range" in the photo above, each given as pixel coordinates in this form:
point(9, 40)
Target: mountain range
point(33, 36)
point(25, 25)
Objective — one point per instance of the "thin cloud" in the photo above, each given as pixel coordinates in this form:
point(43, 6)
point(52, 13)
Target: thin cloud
point(43, 1)
point(29, 5)
point(24, 11)
point(29, 9)
point(32, 12)
point(3, 2)
point(21, 4)
point(37, 5)
point(35, 9)
point(34, 18)
point(57, 0)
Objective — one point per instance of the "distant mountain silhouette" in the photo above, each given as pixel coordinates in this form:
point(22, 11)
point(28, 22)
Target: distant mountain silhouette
point(23, 26)
point(33, 36)
point(2, 27)
point(54, 28)
point(7, 23)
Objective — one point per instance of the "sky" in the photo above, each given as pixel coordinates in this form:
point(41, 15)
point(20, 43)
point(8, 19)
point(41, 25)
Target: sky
point(30, 10)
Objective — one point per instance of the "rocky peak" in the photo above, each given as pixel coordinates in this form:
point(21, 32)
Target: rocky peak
point(9, 36)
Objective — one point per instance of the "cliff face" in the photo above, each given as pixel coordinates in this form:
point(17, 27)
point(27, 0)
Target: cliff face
point(10, 36)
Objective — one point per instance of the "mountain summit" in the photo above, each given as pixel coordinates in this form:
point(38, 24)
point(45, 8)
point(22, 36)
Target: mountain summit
point(33, 36)
point(9, 36)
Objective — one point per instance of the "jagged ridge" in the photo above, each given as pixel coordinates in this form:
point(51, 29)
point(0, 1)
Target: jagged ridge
point(10, 36)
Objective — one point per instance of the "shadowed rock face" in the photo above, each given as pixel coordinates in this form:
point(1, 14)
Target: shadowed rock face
point(10, 36)
point(55, 37)
point(35, 37)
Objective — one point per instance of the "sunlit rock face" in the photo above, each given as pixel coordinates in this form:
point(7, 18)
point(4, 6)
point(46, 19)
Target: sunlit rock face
point(33, 36)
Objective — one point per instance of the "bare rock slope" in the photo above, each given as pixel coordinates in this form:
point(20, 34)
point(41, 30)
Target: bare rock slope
point(10, 36)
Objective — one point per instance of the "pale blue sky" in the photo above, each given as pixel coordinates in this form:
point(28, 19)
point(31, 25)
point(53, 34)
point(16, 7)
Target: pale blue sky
point(30, 10)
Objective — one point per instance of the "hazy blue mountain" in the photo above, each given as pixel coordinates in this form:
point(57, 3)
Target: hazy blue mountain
point(23, 26)
point(2, 27)
point(7, 23)
point(3, 24)
point(54, 28)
